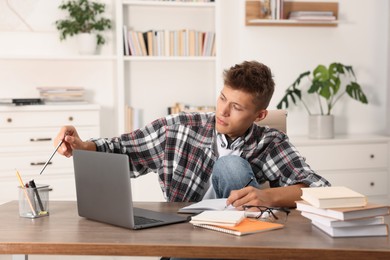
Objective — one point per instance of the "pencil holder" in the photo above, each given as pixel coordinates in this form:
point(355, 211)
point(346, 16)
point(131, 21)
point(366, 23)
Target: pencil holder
point(34, 202)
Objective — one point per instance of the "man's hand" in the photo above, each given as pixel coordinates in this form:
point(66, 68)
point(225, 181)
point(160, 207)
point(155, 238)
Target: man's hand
point(71, 141)
point(272, 197)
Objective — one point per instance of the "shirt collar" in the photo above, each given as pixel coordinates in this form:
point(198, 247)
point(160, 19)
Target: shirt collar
point(237, 143)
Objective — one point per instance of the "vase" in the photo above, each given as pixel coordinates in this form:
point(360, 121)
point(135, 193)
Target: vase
point(321, 126)
point(87, 43)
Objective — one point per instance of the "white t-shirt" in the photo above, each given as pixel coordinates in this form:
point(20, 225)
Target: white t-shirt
point(222, 148)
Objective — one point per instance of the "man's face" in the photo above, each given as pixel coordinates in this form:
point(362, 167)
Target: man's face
point(236, 112)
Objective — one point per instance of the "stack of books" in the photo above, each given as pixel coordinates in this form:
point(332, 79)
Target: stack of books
point(232, 222)
point(342, 212)
point(181, 107)
point(56, 95)
point(184, 42)
point(312, 16)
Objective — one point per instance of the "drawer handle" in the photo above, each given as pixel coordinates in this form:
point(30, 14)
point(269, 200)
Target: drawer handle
point(70, 118)
point(9, 120)
point(39, 163)
point(372, 184)
point(372, 156)
point(40, 139)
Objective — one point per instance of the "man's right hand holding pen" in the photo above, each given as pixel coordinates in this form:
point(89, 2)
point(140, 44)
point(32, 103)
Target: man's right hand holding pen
point(71, 141)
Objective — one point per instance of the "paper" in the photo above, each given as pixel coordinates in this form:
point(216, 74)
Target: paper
point(219, 217)
point(208, 204)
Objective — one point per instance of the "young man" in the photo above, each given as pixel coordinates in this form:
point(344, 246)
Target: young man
point(221, 154)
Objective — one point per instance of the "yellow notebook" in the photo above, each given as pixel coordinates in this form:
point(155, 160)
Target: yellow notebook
point(247, 226)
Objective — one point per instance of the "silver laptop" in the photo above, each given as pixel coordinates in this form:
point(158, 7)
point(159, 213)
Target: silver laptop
point(103, 191)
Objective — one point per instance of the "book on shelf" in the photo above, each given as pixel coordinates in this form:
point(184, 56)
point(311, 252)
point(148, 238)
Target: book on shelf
point(271, 9)
point(354, 231)
point(181, 107)
point(133, 118)
point(370, 210)
point(183, 42)
point(332, 222)
point(141, 39)
point(149, 42)
point(71, 94)
point(21, 101)
point(333, 197)
point(219, 217)
point(312, 16)
point(126, 47)
point(245, 227)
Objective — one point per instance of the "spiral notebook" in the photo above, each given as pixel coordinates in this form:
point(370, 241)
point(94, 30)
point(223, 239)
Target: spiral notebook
point(246, 227)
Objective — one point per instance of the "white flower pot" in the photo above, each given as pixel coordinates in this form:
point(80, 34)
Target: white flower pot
point(87, 43)
point(321, 126)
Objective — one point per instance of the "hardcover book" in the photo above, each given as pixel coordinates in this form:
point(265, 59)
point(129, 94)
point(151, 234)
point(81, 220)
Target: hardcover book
point(370, 210)
point(331, 222)
point(219, 217)
point(354, 231)
point(333, 197)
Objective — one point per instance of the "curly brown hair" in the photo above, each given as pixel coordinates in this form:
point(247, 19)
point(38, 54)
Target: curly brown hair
point(254, 78)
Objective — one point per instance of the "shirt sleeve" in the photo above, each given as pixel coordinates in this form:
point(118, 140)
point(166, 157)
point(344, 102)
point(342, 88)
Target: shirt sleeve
point(144, 147)
point(283, 165)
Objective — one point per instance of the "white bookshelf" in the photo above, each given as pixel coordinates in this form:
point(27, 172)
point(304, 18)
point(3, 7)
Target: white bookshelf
point(135, 74)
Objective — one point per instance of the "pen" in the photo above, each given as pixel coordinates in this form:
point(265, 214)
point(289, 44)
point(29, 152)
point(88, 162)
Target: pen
point(249, 182)
point(251, 179)
point(25, 193)
point(32, 185)
point(55, 150)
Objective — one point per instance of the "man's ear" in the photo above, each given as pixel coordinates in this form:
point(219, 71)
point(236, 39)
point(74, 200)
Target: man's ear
point(261, 114)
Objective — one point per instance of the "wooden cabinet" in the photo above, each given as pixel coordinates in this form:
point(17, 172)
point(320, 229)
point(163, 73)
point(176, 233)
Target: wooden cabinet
point(360, 162)
point(254, 16)
point(26, 143)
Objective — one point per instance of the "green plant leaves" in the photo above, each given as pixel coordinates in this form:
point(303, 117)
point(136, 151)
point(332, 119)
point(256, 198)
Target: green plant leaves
point(355, 91)
point(292, 92)
point(326, 83)
point(83, 17)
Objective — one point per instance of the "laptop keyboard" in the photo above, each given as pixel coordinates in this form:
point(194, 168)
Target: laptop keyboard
point(142, 220)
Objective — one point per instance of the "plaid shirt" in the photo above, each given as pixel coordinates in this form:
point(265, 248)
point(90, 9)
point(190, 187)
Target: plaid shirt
point(180, 149)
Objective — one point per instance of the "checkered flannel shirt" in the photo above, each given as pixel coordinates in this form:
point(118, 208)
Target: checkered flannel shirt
point(179, 148)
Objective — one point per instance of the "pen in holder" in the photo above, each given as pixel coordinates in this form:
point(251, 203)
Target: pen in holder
point(34, 202)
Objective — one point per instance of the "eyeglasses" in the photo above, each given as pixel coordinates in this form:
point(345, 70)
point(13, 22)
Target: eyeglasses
point(264, 213)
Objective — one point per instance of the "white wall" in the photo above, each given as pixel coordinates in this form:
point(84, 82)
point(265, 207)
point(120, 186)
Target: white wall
point(360, 40)
point(32, 55)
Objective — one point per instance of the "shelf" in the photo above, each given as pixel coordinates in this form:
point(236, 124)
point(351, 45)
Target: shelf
point(286, 22)
point(169, 58)
point(253, 16)
point(60, 57)
point(139, 73)
point(168, 4)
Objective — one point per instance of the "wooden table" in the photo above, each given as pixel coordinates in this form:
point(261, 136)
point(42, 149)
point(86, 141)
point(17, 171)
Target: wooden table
point(65, 233)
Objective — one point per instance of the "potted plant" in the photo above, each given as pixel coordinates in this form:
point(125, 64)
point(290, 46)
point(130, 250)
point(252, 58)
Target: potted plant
point(327, 89)
point(84, 20)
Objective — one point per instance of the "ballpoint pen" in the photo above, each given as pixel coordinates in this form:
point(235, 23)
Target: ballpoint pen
point(251, 179)
point(55, 150)
point(34, 187)
point(249, 182)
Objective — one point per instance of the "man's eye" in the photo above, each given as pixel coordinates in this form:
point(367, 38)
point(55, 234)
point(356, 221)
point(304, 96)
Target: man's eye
point(237, 108)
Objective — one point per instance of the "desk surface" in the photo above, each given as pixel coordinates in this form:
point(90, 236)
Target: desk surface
point(65, 233)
